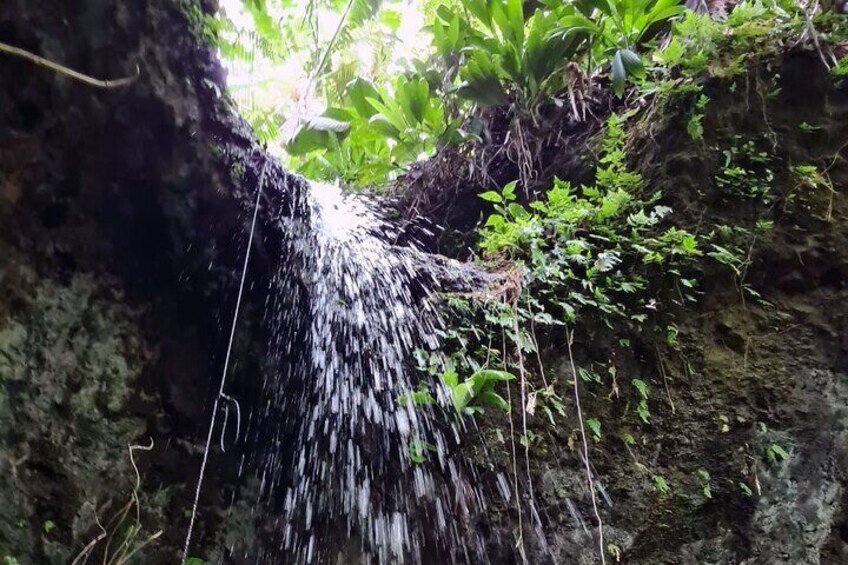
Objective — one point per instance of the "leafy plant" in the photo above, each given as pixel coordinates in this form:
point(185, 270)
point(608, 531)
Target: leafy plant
point(746, 172)
point(420, 397)
point(642, 407)
point(586, 242)
point(472, 394)
point(618, 28)
point(507, 55)
point(775, 454)
point(704, 478)
point(595, 426)
point(695, 125)
point(418, 450)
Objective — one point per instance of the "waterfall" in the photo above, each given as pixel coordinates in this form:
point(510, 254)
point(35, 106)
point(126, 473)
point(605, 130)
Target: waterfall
point(348, 309)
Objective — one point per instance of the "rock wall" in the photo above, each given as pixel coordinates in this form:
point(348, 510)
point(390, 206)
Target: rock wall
point(121, 224)
point(757, 366)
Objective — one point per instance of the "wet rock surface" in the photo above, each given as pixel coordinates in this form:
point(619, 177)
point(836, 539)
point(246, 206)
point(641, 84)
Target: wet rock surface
point(121, 222)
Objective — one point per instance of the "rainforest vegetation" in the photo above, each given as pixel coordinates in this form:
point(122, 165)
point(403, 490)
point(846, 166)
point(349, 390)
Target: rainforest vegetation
point(399, 281)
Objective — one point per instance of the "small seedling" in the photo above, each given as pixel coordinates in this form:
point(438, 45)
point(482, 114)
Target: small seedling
point(775, 454)
point(660, 484)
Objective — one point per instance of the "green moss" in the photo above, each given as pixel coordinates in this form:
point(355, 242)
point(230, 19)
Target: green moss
point(68, 361)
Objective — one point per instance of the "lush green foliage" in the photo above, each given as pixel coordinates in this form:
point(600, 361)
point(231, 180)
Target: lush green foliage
point(365, 118)
point(483, 53)
point(592, 246)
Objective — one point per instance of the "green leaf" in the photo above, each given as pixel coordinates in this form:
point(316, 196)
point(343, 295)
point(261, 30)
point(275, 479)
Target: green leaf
point(481, 80)
point(517, 211)
point(316, 133)
point(619, 73)
point(487, 375)
point(570, 25)
point(391, 111)
point(382, 124)
point(775, 454)
point(491, 196)
point(515, 13)
point(450, 378)
point(496, 221)
point(493, 399)
point(359, 91)
point(642, 387)
point(632, 63)
point(595, 425)
point(462, 395)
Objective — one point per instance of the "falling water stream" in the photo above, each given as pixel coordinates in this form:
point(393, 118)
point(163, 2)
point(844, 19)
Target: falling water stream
point(348, 309)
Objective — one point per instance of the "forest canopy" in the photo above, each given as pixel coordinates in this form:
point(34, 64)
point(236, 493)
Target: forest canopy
point(359, 90)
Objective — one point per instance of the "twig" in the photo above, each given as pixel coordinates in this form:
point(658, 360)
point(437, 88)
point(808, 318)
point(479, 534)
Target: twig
point(591, 483)
point(665, 381)
point(520, 542)
point(536, 343)
point(523, 376)
point(61, 69)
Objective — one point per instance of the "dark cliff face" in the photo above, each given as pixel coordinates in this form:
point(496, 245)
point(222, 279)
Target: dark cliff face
point(121, 225)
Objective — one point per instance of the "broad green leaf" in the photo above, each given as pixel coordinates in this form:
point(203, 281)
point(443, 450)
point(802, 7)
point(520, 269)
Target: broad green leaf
point(632, 63)
point(574, 24)
point(618, 74)
point(515, 13)
point(496, 221)
point(316, 133)
point(389, 111)
point(484, 376)
point(642, 387)
point(493, 399)
point(417, 95)
point(359, 91)
point(450, 378)
point(491, 196)
point(382, 124)
point(462, 395)
point(517, 211)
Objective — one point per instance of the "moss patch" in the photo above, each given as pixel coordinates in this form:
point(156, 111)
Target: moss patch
point(69, 354)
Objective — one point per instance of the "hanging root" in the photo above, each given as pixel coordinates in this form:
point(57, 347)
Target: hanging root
point(534, 515)
point(811, 34)
point(520, 542)
point(63, 70)
point(589, 480)
point(519, 152)
point(578, 85)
